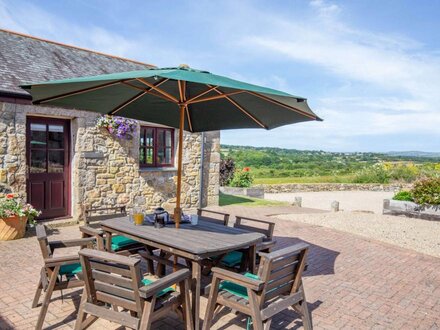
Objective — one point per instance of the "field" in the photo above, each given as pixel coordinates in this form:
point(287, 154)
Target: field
point(307, 179)
point(275, 165)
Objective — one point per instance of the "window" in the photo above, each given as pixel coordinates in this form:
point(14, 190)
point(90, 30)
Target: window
point(156, 147)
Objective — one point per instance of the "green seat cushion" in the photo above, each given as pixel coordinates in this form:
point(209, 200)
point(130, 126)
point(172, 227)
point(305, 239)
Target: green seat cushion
point(232, 259)
point(147, 281)
point(70, 270)
point(119, 242)
point(237, 289)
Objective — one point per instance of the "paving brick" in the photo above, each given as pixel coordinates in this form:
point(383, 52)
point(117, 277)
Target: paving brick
point(351, 283)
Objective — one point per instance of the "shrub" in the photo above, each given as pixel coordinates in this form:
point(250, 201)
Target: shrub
point(403, 196)
point(373, 174)
point(404, 172)
point(427, 191)
point(227, 169)
point(242, 178)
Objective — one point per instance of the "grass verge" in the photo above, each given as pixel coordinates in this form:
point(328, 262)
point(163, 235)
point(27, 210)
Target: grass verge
point(225, 200)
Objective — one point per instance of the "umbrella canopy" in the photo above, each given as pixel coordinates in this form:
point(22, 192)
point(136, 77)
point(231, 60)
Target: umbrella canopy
point(212, 102)
point(181, 97)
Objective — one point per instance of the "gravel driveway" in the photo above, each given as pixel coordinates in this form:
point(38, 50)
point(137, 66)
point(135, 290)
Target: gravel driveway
point(370, 201)
point(416, 234)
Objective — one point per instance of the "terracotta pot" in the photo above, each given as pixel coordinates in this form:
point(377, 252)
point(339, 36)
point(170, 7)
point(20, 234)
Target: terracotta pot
point(12, 228)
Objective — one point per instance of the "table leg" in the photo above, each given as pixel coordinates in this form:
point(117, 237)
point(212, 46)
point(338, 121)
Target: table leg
point(161, 268)
point(252, 258)
point(195, 287)
point(108, 241)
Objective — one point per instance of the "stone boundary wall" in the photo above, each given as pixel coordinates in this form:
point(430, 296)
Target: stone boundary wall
point(314, 187)
point(412, 210)
point(251, 192)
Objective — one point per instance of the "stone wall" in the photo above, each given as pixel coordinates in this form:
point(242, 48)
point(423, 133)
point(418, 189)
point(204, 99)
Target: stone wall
point(105, 170)
point(304, 187)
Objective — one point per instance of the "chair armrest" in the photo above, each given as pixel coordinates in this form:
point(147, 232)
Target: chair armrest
point(256, 285)
point(61, 261)
point(214, 212)
point(72, 242)
point(271, 225)
point(296, 248)
point(89, 231)
point(255, 220)
point(225, 215)
point(152, 289)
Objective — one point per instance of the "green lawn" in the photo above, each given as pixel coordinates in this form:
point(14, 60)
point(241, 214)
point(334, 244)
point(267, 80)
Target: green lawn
point(311, 179)
point(246, 201)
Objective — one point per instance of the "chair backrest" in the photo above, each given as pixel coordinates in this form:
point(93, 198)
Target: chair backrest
point(93, 216)
point(220, 218)
point(45, 248)
point(111, 278)
point(282, 270)
point(256, 225)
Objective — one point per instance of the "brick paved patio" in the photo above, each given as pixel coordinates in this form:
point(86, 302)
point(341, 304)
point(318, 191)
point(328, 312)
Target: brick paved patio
point(351, 283)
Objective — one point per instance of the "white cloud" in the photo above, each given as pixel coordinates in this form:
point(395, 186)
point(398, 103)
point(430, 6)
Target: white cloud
point(28, 18)
point(375, 84)
point(400, 74)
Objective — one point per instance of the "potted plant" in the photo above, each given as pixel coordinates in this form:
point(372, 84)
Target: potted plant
point(14, 215)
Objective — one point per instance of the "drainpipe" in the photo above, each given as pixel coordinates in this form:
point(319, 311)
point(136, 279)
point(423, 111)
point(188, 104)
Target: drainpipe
point(202, 159)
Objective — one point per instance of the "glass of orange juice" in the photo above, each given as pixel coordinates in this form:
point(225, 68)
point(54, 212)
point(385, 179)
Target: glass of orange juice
point(138, 217)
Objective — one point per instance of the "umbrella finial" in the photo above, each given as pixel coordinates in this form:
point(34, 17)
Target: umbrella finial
point(183, 66)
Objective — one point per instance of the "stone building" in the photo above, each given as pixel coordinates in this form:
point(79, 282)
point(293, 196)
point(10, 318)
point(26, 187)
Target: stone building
point(61, 163)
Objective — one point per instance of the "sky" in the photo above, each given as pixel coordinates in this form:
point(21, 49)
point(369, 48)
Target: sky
point(370, 69)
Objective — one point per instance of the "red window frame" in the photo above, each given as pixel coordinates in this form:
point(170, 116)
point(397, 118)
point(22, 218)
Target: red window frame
point(155, 146)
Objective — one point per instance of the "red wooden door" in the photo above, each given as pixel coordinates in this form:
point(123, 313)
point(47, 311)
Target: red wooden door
point(48, 186)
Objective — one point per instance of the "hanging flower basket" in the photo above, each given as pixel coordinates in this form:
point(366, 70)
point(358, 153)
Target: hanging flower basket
point(14, 215)
point(120, 127)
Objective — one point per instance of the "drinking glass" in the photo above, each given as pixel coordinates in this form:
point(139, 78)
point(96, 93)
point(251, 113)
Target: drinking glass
point(138, 216)
point(194, 219)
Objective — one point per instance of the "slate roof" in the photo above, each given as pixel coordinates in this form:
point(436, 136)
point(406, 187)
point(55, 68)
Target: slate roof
point(28, 59)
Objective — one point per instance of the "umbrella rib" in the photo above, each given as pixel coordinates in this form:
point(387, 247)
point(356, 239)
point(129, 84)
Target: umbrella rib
point(242, 109)
point(128, 102)
point(182, 88)
point(188, 118)
point(81, 91)
point(148, 90)
point(282, 105)
point(182, 85)
point(168, 95)
point(201, 94)
point(211, 98)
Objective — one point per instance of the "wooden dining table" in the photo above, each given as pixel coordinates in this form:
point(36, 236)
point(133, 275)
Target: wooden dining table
point(191, 242)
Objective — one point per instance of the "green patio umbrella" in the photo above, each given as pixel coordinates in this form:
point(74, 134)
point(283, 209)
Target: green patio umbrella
point(181, 97)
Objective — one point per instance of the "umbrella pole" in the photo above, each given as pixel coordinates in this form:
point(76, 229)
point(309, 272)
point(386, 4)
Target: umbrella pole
point(178, 210)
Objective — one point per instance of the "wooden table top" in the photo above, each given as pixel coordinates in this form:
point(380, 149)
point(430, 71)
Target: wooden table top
point(202, 239)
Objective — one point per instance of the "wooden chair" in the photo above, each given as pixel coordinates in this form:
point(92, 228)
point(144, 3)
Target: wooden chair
point(265, 227)
point(237, 259)
point(277, 286)
point(224, 221)
point(115, 280)
point(58, 272)
point(120, 244)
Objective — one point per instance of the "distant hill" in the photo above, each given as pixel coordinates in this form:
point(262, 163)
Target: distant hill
point(414, 154)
